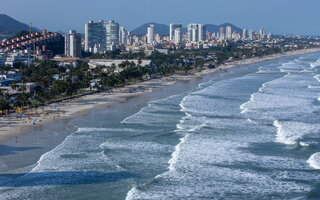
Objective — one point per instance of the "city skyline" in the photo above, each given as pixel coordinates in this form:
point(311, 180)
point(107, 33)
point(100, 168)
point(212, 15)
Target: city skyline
point(62, 16)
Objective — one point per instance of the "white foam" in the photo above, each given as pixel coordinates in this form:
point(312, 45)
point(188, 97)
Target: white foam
point(289, 132)
point(313, 87)
point(304, 144)
point(317, 77)
point(88, 129)
point(252, 122)
point(314, 161)
point(315, 64)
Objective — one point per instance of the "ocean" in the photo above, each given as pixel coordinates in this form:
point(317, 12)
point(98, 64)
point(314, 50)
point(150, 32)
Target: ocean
point(252, 132)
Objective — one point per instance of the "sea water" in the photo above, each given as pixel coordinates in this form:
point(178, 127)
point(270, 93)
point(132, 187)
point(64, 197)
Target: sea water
point(250, 133)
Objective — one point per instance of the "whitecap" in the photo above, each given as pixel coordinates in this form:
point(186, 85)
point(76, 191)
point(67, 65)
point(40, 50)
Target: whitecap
point(314, 161)
point(290, 132)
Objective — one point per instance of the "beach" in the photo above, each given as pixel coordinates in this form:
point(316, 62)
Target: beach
point(143, 142)
point(11, 126)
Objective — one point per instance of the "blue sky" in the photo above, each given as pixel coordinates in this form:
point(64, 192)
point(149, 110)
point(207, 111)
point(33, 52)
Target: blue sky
point(277, 16)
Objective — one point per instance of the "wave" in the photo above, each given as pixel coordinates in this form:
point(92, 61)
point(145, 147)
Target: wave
point(243, 107)
point(314, 161)
point(290, 133)
point(313, 87)
point(252, 122)
point(175, 154)
point(317, 77)
point(88, 129)
point(315, 64)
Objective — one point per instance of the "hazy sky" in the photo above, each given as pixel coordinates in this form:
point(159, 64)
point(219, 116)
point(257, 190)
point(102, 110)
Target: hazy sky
point(277, 16)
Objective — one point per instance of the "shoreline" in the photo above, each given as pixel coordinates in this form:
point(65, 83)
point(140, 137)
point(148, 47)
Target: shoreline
point(11, 127)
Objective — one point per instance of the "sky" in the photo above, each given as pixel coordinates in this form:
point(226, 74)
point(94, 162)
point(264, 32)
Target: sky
point(277, 16)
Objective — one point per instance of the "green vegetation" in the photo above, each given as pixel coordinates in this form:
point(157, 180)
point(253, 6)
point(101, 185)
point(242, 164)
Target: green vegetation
point(58, 82)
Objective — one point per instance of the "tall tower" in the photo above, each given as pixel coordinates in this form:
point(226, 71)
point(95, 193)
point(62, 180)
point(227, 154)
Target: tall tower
point(72, 43)
point(112, 36)
point(172, 30)
point(222, 35)
point(251, 33)
point(193, 32)
point(123, 36)
point(228, 32)
point(95, 34)
point(150, 36)
point(244, 34)
point(177, 36)
point(202, 32)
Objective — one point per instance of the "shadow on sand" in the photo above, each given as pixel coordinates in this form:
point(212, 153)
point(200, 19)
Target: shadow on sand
point(9, 150)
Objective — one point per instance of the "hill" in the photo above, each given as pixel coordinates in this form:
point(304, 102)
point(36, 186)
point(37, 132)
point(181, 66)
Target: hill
point(163, 29)
point(10, 26)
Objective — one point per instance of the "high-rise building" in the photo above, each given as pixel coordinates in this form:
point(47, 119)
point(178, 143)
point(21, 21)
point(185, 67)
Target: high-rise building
point(262, 33)
point(129, 40)
point(193, 33)
point(123, 36)
point(177, 36)
point(112, 30)
point(228, 32)
point(251, 34)
point(150, 34)
point(244, 34)
point(173, 27)
point(72, 45)
point(95, 34)
point(222, 35)
point(104, 35)
point(202, 32)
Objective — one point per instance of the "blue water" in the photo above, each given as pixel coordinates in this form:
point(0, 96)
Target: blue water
point(250, 133)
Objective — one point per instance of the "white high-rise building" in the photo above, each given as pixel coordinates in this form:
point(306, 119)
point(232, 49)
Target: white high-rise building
point(72, 45)
point(228, 32)
point(202, 32)
point(129, 39)
point(222, 35)
point(263, 33)
point(193, 33)
point(123, 36)
point(173, 27)
point(244, 34)
point(177, 36)
point(150, 35)
point(251, 34)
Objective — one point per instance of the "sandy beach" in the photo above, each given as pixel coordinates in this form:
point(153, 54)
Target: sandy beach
point(11, 126)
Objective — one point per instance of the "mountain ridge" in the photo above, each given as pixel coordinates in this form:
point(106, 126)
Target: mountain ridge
point(164, 29)
point(10, 26)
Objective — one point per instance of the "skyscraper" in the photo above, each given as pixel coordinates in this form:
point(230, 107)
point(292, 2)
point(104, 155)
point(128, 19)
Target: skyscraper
point(202, 32)
point(262, 33)
point(95, 34)
point(177, 36)
point(72, 44)
point(193, 32)
point(123, 36)
point(222, 35)
point(251, 33)
point(244, 34)
point(172, 30)
point(112, 30)
point(228, 32)
point(102, 34)
point(150, 34)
